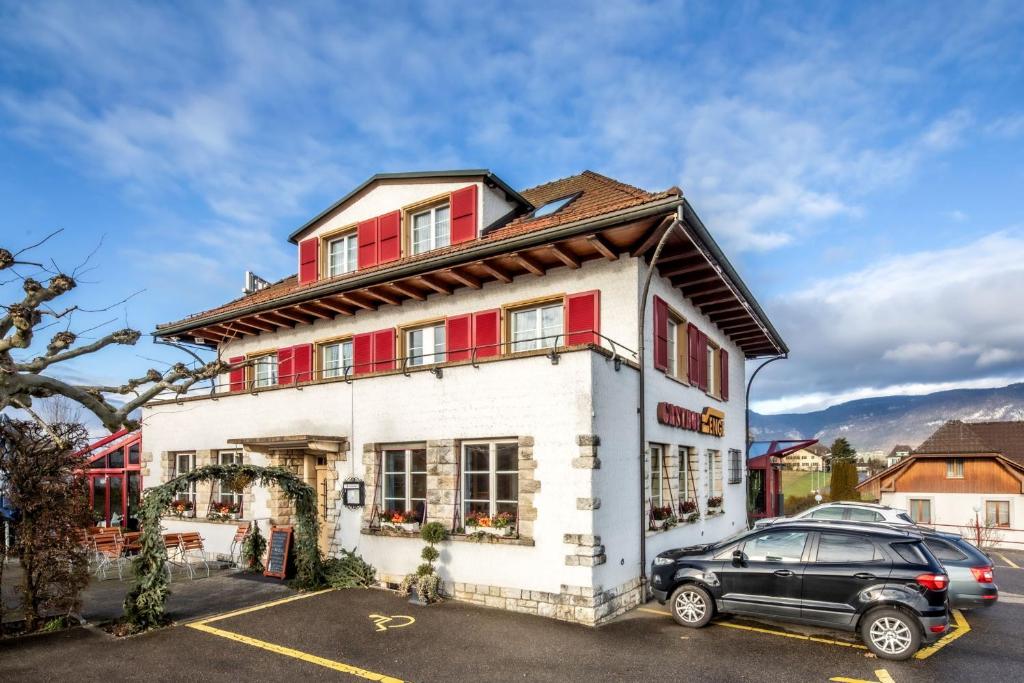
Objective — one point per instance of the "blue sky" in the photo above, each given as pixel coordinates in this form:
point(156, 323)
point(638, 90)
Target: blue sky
point(861, 163)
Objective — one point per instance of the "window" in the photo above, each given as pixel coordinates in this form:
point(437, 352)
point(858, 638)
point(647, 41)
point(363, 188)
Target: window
point(405, 481)
point(714, 474)
point(689, 470)
point(844, 548)
point(997, 513)
point(183, 464)
point(341, 254)
point(430, 229)
point(862, 515)
point(336, 358)
point(490, 478)
point(425, 345)
point(828, 513)
point(920, 510)
point(656, 476)
point(943, 551)
point(912, 552)
point(735, 466)
point(553, 206)
point(536, 328)
point(776, 546)
point(265, 371)
point(714, 380)
point(223, 493)
point(955, 468)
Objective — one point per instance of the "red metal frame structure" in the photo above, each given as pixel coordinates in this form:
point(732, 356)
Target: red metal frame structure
point(115, 477)
point(764, 462)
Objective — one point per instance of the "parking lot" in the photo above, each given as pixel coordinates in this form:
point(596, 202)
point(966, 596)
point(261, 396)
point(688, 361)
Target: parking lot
point(378, 635)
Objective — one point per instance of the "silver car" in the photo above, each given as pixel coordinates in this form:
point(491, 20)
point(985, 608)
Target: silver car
point(849, 511)
point(971, 576)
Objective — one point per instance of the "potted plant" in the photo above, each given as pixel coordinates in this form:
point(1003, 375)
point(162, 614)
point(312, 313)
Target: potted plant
point(425, 587)
point(499, 525)
point(661, 517)
point(714, 505)
point(183, 508)
point(223, 511)
point(688, 511)
point(404, 521)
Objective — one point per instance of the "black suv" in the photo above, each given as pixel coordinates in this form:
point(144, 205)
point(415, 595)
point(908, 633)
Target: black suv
point(880, 581)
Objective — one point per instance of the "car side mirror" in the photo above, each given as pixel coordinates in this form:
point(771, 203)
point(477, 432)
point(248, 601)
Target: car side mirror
point(738, 557)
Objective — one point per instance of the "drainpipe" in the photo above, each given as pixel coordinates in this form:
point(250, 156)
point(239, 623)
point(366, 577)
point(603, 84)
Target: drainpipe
point(677, 221)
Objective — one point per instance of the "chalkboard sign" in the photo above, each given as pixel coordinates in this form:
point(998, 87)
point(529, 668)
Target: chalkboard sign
point(277, 551)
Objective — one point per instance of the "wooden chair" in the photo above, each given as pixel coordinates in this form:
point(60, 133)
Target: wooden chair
point(172, 546)
point(191, 541)
point(109, 551)
point(238, 542)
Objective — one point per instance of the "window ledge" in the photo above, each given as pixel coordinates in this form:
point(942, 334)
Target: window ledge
point(459, 537)
point(232, 522)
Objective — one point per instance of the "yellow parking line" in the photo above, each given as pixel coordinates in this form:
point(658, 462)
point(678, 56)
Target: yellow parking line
point(962, 627)
point(1007, 560)
point(254, 608)
point(297, 654)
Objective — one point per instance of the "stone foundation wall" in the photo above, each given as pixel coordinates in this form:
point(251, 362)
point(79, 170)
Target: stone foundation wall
point(578, 604)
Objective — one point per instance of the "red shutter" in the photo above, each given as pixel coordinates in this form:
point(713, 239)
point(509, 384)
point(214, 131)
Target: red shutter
point(389, 242)
point(459, 337)
point(362, 353)
point(463, 215)
point(285, 365)
point(723, 361)
point(703, 351)
point(384, 349)
point(660, 334)
point(693, 354)
point(583, 318)
point(236, 377)
point(308, 252)
point(302, 362)
point(366, 235)
point(487, 333)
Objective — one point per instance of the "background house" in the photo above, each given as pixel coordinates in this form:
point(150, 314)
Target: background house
point(810, 459)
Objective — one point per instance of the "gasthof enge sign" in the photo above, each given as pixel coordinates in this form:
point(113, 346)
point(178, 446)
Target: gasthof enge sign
point(710, 421)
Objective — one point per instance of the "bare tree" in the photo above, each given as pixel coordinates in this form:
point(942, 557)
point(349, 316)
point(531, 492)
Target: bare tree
point(23, 379)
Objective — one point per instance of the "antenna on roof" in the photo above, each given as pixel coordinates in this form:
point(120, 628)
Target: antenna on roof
point(254, 283)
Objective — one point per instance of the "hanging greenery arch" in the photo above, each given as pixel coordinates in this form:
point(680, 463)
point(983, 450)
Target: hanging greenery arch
point(144, 605)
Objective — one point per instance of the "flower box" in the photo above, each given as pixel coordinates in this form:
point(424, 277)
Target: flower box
point(715, 511)
point(411, 527)
point(657, 524)
point(492, 530)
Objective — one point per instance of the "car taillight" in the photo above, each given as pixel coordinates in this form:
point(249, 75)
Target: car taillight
point(934, 582)
point(982, 574)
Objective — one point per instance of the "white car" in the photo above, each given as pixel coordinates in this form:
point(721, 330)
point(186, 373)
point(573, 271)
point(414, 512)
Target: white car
point(849, 511)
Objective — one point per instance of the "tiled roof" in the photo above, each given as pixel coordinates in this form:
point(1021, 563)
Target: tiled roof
point(598, 195)
point(1005, 438)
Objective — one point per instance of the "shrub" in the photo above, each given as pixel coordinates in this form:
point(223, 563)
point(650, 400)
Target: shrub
point(349, 571)
point(253, 548)
point(426, 582)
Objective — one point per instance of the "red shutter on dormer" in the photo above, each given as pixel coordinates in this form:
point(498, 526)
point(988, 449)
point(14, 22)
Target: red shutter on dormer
point(236, 377)
point(362, 353)
point(694, 360)
point(302, 362)
point(458, 337)
point(660, 334)
point(366, 235)
point(308, 253)
point(723, 362)
point(285, 366)
point(384, 349)
point(389, 237)
point(702, 351)
point(583, 318)
point(463, 215)
point(487, 333)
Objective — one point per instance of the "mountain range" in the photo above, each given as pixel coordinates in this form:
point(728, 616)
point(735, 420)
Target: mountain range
point(878, 424)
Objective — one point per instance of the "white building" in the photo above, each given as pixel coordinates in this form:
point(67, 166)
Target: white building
point(465, 350)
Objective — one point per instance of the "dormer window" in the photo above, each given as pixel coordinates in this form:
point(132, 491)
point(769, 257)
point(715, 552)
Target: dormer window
point(341, 254)
point(554, 206)
point(431, 229)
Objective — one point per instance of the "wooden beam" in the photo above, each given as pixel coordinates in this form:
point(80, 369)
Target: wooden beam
point(528, 263)
point(564, 256)
point(741, 316)
point(712, 294)
point(682, 256)
point(683, 269)
point(434, 284)
point(737, 329)
point(686, 284)
point(292, 315)
point(350, 299)
point(495, 272)
point(332, 305)
point(720, 299)
point(704, 290)
point(748, 336)
point(222, 331)
point(259, 325)
point(406, 291)
point(652, 239)
point(316, 311)
point(381, 297)
point(208, 334)
point(602, 247)
point(242, 327)
point(730, 305)
point(275, 319)
point(464, 278)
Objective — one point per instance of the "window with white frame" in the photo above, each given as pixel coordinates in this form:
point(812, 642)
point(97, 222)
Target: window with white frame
point(920, 510)
point(341, 254)
point(735, 466)
point(431, 229)
point(997, 513)
point(656, 476)
point(183, 464)
point(405, 482)
point(955, 468)
point(224, 494)
point(689, 473)
point(539, 327)
point(713, 379)
point(336, 358)
point(714, 464)
point(673, 361)
point(264, 371)
point(425, 345)
point(490, 478)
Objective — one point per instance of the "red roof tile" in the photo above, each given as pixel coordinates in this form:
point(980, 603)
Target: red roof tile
point(956, 437)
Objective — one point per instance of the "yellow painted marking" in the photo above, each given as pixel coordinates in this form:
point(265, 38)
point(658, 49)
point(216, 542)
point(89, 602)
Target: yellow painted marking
point(962, 627)
point(265, 605)
point(384, 622)
point(881, 674)
point(1007, 560)
point(297, 654)
point(796, 636)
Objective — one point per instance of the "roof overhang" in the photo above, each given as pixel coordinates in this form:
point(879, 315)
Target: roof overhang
point(488, 178)
point(303, 442)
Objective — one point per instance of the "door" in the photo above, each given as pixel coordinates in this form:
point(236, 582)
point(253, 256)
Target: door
point(319, 477)
point(843, 567)
point(767, 580)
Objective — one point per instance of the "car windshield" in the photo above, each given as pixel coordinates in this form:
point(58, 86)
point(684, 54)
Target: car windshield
point(729, 540)
point(905, 517)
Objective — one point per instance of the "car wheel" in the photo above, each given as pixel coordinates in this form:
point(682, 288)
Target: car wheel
point(891, 634)
point(691, 606)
